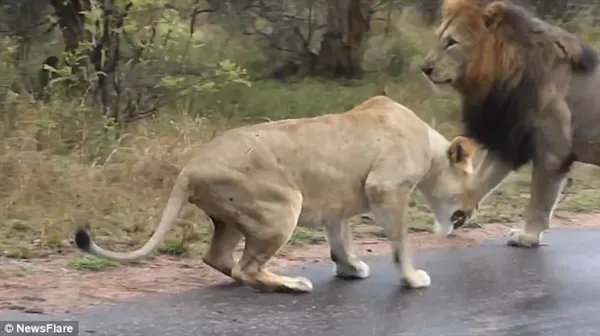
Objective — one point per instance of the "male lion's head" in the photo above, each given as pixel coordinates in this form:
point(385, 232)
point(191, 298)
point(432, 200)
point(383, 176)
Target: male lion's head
point(457, 44)
point(482, 46)
point(506, 64)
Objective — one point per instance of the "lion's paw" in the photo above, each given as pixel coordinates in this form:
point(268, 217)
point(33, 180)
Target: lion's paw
point(357, 270)
point(417, 279)
point(300, 285)
point(520, 238)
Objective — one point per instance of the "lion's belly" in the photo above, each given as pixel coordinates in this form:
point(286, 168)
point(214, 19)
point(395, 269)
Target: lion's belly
point(332, 202)
point(329, 214)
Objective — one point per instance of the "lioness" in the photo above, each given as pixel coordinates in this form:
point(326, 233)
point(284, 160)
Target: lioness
point(529, 94)
point(260, 181)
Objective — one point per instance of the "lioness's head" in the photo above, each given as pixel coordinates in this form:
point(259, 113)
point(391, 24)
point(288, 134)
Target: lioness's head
point(450, 191)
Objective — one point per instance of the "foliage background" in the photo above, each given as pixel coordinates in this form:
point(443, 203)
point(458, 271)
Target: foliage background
point(100, 109)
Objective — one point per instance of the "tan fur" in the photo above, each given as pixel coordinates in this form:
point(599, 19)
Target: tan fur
point(260, 181)
point(501, 49)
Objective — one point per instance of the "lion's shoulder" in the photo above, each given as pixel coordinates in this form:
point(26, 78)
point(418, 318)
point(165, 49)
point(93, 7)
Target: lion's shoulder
point(582, 56)
point(382, 111)
point(378, 102)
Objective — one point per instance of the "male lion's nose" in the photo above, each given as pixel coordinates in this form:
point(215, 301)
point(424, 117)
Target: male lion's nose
point(427, 69)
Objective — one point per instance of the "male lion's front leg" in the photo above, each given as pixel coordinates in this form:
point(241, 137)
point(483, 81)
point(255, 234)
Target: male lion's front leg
point(347, 264)
point(550, 170)
point(389, 203)
point(546, 186)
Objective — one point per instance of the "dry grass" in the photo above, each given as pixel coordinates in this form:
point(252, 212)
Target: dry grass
point(61, 169)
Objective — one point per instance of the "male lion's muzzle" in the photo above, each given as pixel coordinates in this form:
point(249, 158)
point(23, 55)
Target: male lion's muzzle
point(427, 69)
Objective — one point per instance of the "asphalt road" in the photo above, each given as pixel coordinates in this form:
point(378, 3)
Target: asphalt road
point(491, 290)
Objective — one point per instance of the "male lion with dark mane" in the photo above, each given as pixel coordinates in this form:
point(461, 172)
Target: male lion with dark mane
point(530, 93)
point(260, 181)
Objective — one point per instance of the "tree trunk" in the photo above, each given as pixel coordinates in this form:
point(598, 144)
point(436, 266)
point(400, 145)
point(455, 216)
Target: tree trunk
point(429, 10)
point(71, 21)
point(106, 53)
point(341, 50)
point(103, 56)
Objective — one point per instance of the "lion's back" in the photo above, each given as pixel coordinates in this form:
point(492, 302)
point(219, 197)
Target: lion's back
point(316, 148)
point(369, 125)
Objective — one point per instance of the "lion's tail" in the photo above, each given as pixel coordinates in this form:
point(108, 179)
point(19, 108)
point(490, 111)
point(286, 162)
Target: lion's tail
point(174, 205)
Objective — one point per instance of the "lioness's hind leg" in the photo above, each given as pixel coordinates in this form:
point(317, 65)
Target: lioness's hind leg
point(340, 240)
point(224, 240)
point(262, 240)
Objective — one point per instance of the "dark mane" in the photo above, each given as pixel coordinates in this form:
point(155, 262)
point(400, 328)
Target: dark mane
point(502, 121)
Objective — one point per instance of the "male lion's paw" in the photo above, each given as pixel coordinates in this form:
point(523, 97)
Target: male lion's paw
point(357, 270)
point(520, 238)
point(417, 279)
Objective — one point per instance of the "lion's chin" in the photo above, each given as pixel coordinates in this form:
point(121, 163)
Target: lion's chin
point(444, 87)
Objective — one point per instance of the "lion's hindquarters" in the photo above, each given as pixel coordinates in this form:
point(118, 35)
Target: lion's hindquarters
point(266, 228)
point(222, 246)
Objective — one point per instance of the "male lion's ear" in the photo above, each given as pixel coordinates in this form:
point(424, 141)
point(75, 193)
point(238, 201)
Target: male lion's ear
point(493, 14)
point(461, 150)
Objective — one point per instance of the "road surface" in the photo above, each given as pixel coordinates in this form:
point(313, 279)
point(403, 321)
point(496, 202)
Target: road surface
point(491, 290)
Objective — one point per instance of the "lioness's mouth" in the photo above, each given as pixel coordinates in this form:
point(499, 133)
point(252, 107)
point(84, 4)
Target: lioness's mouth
point(458, 219)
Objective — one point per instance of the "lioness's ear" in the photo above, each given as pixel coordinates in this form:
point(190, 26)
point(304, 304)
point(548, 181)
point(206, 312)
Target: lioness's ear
point(493, 14)
point(461, 150)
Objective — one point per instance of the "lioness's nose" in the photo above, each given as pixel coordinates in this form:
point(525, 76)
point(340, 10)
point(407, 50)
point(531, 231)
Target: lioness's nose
point(427, 69)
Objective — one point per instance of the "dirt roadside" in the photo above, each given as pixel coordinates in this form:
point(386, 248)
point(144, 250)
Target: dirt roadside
point(50, 286)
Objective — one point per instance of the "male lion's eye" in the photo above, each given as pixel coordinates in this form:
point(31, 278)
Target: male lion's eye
point(450, 42)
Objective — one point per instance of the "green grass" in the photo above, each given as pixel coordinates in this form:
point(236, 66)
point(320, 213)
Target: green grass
point(307, 236)
point(90, 263)
point(176, 248)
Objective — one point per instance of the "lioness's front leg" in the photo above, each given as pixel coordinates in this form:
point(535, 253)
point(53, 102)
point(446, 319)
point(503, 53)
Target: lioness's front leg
point(389, 203)
point(347, 264)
